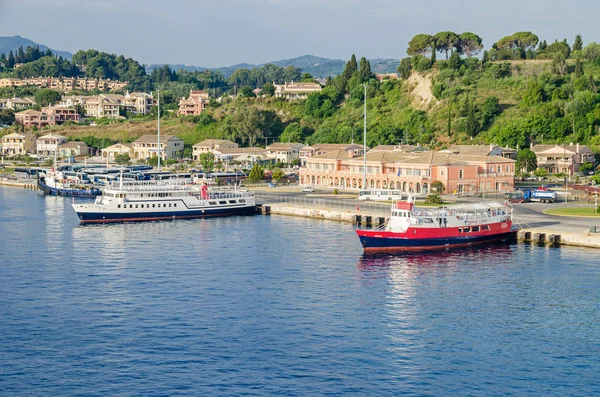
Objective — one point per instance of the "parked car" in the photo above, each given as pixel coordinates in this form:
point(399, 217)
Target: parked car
point(272, 184)
point(308, 189)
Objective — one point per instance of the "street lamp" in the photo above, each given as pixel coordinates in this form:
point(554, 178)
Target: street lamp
point(365, 141)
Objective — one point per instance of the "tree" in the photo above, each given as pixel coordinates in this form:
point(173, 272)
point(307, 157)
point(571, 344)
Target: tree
point(11, 60)
point(123, 159)
point(445, 41)
point(420, 44)
point(277, 174)
point(526, 160)
point(578, 44)
point(268, 89)
point(578, 68)
point(559, 64)
point(469, 44)
point(292, 133)
point(256, 174)
point(540, 173)
point(404, 68)
point(522, 41)
point(438, 187)
point(207, 160)
point(591, 52)
point(47, 97)
point(246, 92)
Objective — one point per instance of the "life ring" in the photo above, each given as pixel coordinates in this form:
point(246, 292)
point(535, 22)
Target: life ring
point(407, 220)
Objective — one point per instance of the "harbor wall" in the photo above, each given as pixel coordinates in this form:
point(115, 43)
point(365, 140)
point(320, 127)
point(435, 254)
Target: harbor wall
point(554, 237)
point(11, 182)
point(362, 217)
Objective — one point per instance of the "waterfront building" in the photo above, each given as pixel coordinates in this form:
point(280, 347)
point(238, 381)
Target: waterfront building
point(194, 104)
point(296, 90)
point(322, 148)
point(409, 172)
point(73, 149)
point(48, 144)
point(562, 158)
point(482, 150)
point(211, 146)
point(18, 144)
point(109, 153)
point(242, 155)
point(284, 152)
point(387, 76)
point(146, 146)
point(101, 106)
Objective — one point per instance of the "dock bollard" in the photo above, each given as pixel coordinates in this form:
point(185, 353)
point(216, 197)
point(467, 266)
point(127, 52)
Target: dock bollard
point(527, 236)
point(554, 238)
point(358, 219)
point(368, 220)
point(266, 210)
point(380, 220)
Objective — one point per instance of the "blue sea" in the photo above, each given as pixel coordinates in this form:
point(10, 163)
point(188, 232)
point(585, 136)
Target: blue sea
point(282, 306)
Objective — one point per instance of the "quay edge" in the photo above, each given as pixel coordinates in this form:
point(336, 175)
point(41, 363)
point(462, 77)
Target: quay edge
point(590, 239)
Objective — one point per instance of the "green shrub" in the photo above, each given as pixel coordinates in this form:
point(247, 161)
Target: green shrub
point(434, 199)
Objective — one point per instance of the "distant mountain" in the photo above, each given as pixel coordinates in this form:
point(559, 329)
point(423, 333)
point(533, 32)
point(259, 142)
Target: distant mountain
point(8, 43)
point(317, 66)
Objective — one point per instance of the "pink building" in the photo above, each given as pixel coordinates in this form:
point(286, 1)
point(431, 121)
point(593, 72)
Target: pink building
point(409, 172)
point(194, 104)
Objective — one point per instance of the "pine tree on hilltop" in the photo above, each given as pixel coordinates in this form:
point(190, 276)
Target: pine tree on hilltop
point(578, 44)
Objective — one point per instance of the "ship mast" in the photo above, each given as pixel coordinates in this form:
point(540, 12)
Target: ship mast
point(158, 104)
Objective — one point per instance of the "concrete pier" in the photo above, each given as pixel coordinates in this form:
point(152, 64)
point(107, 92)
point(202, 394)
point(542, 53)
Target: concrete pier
point(555, 237)
point(361, 217)
point(26, 184)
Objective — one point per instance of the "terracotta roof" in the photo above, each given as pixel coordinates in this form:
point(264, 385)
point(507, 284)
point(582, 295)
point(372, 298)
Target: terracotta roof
point(212, 142)
point(571, 148)
point(154, 138)
point(283, 145)
point(73, 144)
point(28, 111)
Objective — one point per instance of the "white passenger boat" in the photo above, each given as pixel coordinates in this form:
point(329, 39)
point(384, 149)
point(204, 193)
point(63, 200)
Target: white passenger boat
point(162, 200)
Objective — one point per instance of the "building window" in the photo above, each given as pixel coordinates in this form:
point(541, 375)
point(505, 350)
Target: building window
point(460, 174)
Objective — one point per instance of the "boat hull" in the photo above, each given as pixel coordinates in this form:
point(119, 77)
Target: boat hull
point(376, 242)
point(115, 217)
point(52, 191)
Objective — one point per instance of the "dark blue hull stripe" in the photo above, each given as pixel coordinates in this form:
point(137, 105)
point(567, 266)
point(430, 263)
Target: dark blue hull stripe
point(399, 243)
point(98, 217)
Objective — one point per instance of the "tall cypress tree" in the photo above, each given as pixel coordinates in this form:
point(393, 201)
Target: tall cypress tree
point(20, 58)
point(578, 68)
point(578, 44)
point(10, 60)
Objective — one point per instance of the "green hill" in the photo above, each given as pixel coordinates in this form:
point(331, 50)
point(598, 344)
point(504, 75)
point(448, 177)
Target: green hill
point(12, 43)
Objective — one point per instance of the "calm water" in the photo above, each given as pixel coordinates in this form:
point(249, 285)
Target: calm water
point(282, 306)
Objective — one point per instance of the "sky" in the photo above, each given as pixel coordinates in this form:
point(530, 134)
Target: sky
point(213, 33)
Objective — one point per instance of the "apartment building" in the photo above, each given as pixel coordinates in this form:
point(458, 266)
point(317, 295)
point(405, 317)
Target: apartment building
point(562, 158)
point(296, 90)
point(284, 152)
point(147, 146)
point(111, 152)
point(194, 104)
point(33, 118)
point(211, 146)
point(18, 144)
point(73, 149)
point(48, 144)
point(65, 83)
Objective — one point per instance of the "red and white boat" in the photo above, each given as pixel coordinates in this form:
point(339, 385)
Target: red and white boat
point(415, 229)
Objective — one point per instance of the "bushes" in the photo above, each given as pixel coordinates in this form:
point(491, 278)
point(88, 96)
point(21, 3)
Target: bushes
point(434, 199)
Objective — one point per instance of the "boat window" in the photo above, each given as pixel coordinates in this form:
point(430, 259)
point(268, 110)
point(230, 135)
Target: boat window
point(130, 205)
point(118, 205)
point(212, 202)
point(242, 201)
point(142, 195)
point(460, 229)
point(485, 227)
point(169, 204)
point(466, 229)
point(136, 206)
point(222, 202)
point(175, 205)
point(427, 220)
point(231, 201)
point(153, 205)
point(475, 229)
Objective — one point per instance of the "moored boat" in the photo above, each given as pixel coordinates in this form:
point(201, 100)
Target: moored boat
point(415, 229)
point(164, 200)
point(54, 183)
